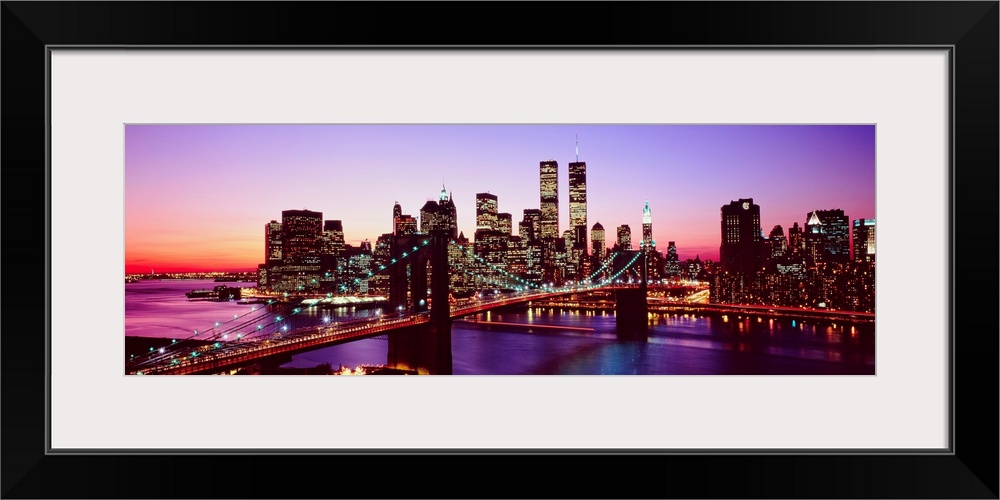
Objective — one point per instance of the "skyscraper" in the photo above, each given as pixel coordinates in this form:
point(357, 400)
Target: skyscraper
point(777, 242)
point(331, 250)
point(300, 232)
point(505, 223)
point(741, 237)
point(272, 242)
point(647, 227)
point(624, 237)
point(826, 235)
point(407, 225)
point(530, 227)
point(335, 230)
point(402, 224)
point(272, 256)
point(450, 214)
point(429, 217)
point(672, 264)
point(486, 211)
point(597, 237)
point(795, 242)
point(549, 188)
point(397, 212)
point(300, 237)
point(578, 202)
point(440, 215)
point(864, 240)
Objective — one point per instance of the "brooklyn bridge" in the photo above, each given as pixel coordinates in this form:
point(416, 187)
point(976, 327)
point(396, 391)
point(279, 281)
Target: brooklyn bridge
point(416, 320)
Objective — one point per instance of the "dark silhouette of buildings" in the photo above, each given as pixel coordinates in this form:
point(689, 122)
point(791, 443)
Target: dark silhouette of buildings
point(826, 236)
point(810, 268)
point(741, 237)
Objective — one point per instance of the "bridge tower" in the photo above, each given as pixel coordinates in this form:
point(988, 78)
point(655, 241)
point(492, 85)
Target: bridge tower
point(425, 348)
point(631, 308)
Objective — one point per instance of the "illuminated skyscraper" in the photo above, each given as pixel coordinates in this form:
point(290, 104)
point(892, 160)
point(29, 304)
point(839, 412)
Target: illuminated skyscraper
point(440, 215)
point(269, 273)
point(334, 229)
point(407, 224)
point(571, 254)
point(486, 211)
point(530, 226)
point(505, 223)
point(597, 237)
point(402, 224)
point(549, 188)
point(864, 240)
point(378, 283)
point(741, 237)
point(300, 238)
point(647, 228)
point(272, 243)
point(397, 212)
point(331, 249)
point(578, 202)
point(300, 232)
point(826, 236)
point(624, 237)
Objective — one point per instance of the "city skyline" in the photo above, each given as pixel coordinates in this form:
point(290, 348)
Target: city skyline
point(197, 196)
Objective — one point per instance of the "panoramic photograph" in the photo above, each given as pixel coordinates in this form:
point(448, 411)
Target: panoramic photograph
point(468, 249)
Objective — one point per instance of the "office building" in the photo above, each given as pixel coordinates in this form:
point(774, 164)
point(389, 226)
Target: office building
point(402, 224)
point(777, 242)
point(826, 236)
point(624, 237)
point(578, 203)
point(672, 265)
point(647, 228)
point(741, 237)
point(505, 223)
point(530, 226)
point(597, 236)
point(864, 240)
point(440, 215)
point(486, 211)
point(272, 242)
point(549, 200)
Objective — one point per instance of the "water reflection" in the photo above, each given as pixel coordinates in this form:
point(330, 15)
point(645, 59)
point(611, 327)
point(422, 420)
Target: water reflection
point(556, 341)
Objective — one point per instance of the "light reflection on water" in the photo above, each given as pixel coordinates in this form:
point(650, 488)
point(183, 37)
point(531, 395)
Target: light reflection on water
point(676, 343)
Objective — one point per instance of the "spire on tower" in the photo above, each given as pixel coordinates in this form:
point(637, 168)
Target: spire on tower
point(578, 148)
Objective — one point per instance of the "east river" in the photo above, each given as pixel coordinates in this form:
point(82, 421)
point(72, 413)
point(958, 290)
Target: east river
point(542, 341)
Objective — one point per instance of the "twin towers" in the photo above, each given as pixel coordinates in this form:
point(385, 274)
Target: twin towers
point(549, 190)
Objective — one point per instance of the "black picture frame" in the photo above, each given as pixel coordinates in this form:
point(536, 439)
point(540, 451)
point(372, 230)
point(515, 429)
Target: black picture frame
point(970, 28)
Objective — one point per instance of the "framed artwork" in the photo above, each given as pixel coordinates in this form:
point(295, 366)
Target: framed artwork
point(194, 132)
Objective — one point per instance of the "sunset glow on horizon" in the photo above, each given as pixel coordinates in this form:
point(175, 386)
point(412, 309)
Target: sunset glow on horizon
point(197, 197)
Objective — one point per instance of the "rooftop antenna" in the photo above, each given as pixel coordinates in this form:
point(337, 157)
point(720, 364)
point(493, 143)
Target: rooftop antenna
point(577, 148)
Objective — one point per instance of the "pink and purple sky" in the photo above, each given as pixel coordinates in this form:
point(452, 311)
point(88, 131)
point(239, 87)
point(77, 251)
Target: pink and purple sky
point(197, 196)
